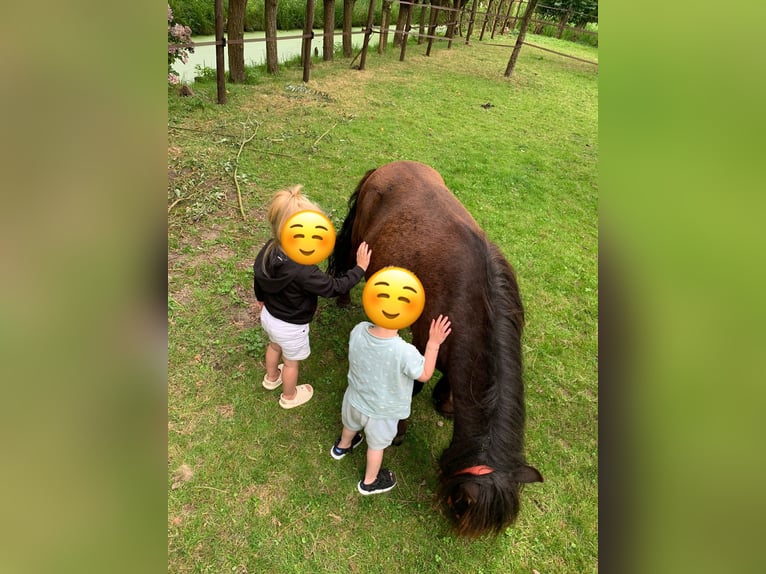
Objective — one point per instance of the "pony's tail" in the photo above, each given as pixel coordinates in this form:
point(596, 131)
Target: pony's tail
point(342, 258)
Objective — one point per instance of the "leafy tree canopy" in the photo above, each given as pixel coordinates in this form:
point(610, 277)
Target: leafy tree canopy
point(583, 11)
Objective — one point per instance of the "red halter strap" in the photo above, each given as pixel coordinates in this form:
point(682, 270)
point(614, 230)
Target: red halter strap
point(476, 470)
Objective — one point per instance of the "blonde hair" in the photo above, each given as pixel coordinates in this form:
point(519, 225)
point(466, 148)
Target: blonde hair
point(285, 204)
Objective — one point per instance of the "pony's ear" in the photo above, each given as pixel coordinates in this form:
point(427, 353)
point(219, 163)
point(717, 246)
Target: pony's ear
point(527, 473)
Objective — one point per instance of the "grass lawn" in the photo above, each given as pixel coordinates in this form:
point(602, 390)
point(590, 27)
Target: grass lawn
point(252, 487)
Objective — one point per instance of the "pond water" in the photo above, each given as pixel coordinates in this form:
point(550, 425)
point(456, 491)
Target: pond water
point(255, 52)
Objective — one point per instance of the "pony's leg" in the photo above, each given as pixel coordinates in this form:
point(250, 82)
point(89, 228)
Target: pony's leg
point(442, 397)
point(343, 300)
point(401, 430)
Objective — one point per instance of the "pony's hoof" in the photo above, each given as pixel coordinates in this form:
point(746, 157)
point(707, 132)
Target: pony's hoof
point(343, 301)
point(445, 408)
point(398, 440)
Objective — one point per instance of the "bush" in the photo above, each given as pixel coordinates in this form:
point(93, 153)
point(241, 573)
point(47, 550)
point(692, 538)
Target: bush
point(199, 15)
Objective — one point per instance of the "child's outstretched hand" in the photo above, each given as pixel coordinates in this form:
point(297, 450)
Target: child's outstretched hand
point(440, 329)
point(363, 255)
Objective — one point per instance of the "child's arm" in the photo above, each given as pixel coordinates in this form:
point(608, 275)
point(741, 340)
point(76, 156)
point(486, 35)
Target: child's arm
point(316, 281)
point(440, 329)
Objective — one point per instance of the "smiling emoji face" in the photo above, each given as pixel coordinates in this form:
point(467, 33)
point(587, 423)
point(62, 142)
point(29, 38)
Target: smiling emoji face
point(308, 237)
point(393, 298)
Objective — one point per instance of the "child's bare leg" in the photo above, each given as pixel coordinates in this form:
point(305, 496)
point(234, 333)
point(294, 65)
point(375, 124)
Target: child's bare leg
point(346, 436)
point(374, 460)
point(290, 379)
point(273, 355)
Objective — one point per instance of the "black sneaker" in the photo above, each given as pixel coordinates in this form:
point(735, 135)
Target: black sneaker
point(386, 481)
point(338, 453)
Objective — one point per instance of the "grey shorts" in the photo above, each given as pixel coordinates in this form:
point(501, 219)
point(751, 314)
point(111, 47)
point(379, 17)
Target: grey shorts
point(378, 432)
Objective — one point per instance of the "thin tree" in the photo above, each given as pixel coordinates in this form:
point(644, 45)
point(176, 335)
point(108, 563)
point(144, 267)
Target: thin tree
point(422, 24)
point(520, 38)
point(270, 26)
point(385, 21)
point(405, 12)
point(235, 30)
point(328, 44)
point(348, 18)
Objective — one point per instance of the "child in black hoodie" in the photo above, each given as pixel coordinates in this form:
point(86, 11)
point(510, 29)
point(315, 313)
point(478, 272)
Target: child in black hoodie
point(287, 294)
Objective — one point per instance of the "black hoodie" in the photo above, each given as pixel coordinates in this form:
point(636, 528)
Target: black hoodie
point(290, 290)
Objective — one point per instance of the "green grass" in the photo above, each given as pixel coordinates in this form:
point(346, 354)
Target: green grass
point(264, 494)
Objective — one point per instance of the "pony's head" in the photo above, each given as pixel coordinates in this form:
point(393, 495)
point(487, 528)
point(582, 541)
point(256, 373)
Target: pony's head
point(481, 500)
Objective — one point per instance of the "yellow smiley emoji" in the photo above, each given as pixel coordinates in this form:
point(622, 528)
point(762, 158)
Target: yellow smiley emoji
point(308, 237)
point(393, 298)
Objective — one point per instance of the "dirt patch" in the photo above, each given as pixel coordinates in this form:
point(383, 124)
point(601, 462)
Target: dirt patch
point(182, 296)
point(267, 496)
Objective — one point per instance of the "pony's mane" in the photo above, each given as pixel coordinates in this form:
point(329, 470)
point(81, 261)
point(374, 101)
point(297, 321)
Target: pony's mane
point(503, 402)
point(340, 259)
point(501, 408)
point(490, 502)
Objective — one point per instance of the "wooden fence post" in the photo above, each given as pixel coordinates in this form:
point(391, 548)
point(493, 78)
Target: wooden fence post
point(367, 34)
point(406, 32)
point(470, 22)
point(507, 17)
point(308, 35)
point(220, 43)
point(486, 19)
point(432, 26)
point(496, 19)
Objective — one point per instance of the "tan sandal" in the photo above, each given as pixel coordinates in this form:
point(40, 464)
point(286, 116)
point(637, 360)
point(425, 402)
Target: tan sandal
point(303, 395)
point(271, 385)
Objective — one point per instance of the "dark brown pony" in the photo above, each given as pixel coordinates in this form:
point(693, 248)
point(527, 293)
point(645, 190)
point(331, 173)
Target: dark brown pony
point(410, 219)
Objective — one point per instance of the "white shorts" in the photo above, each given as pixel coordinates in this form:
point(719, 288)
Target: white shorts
point(293, 339)
point(378, 432)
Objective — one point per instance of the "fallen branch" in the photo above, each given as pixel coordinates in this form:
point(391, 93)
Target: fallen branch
point(324, 134)
point(172, 205)
point(236, 166)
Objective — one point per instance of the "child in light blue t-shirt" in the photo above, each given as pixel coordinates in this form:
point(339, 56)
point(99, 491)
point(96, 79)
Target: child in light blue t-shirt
point(382, 368)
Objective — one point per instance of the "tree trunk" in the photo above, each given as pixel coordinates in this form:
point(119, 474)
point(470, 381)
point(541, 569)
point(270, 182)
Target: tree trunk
point(270, 26)
point(328, 44)
point(563, 22)
point(422, 24)
point(236, 32)
point(220, 73)
point(451, 21)
point(434, 18)
point(486, 20)
point(405, 12)
point(385, 21)
point(520, 38)
point(405, 31)
point(496, 19)
point(308, 33)
point(348, 18)
point(516, 17)
point(367, 34)
point(470, 22)
point(507, 19)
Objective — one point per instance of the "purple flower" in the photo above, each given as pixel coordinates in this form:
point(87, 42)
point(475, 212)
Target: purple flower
point(178, 38)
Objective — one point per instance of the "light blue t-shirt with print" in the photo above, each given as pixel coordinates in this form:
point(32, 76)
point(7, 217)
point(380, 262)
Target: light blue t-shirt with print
point(380, 373)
